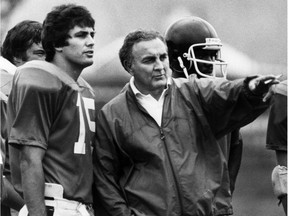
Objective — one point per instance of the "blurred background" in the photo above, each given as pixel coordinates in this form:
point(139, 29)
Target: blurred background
point(254, 34)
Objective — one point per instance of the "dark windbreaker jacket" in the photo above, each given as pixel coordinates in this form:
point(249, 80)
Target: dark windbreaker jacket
point(175, 169)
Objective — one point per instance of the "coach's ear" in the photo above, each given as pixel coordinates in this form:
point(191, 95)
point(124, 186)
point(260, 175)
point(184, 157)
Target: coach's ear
point(127, 66)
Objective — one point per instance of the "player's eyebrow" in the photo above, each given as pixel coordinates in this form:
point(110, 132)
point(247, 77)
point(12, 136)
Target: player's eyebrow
point(84, 32)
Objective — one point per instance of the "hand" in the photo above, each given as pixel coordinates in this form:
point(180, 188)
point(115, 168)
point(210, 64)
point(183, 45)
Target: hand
point(262, 85)
point(269, 94)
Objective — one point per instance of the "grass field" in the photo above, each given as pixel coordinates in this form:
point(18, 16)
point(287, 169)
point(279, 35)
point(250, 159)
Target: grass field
point(253, 195)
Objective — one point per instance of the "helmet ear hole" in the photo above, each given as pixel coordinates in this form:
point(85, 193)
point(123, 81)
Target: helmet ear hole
point(173, 59)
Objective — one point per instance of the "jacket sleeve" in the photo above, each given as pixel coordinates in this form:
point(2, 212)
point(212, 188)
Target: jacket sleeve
point(106, 163)
point(228, 105)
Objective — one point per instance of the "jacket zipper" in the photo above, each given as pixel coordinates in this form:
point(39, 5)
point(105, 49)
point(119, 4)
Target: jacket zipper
point(162, 137)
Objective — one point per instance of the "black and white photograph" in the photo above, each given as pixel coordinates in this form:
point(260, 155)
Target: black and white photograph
point(143, 108)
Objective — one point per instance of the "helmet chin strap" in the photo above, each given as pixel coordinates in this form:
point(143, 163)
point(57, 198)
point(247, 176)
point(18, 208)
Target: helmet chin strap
point(183, 66)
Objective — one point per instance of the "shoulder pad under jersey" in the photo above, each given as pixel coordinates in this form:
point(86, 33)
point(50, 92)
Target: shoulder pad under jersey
point(42, 74)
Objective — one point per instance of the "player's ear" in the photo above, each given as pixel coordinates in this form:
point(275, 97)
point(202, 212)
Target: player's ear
point(18, 61)
point(58, 49)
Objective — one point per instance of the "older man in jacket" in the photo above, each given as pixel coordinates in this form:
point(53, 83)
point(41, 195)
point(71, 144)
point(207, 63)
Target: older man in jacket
point(156, 149)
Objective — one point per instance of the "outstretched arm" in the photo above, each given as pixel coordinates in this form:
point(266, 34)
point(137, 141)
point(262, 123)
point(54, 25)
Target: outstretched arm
point(229, 105)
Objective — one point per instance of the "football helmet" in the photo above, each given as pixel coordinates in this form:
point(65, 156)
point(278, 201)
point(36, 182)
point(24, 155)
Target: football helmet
point(189, 36)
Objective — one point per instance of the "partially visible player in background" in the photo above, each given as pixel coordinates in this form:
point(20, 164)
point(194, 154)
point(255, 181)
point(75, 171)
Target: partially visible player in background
point(51, 119)
point(21, 44)
point(195, 48)
point(277, 140)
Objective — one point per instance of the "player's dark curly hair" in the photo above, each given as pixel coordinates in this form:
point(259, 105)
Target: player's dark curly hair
point(20, 38)
point(59, 22)
point(125, 52)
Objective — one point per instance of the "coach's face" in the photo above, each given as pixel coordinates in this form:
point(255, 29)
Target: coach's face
point(150, 67)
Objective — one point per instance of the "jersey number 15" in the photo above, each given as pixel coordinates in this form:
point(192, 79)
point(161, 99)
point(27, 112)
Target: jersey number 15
point(80, 146)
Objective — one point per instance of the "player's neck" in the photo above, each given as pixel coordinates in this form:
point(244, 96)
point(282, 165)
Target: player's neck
point(72, 70)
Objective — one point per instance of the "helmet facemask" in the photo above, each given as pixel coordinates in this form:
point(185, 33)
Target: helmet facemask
point(218, 67)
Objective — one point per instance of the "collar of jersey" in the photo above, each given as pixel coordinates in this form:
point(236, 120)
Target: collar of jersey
point(54, 70)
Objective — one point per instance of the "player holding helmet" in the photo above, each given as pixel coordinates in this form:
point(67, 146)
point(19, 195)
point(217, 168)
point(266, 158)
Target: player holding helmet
point(194, 48)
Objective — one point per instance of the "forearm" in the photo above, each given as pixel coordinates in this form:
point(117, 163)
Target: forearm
point(231, 106)
point(33, 180)
point(33, 188)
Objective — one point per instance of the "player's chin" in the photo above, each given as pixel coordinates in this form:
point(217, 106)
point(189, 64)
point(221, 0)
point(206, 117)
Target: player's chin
point(88, 63)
